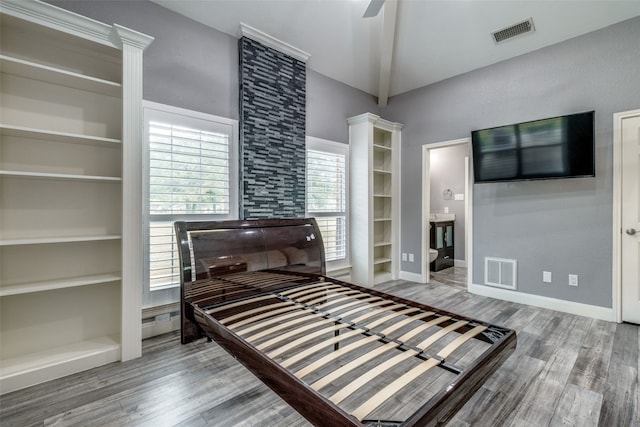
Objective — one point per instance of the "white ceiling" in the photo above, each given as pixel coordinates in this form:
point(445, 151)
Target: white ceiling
point(434, 39)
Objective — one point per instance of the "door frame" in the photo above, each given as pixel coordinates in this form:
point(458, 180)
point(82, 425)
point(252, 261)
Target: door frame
point(616, 261)
point(426, 208)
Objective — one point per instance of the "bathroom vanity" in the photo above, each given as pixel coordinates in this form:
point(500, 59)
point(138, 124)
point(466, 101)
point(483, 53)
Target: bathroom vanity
point(442, 238)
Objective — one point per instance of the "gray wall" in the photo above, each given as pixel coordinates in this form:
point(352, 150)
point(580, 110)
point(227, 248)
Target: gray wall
point(188, 65)
point(446, 172)
point(329, 105)
point(562, 226)
point(193, 66)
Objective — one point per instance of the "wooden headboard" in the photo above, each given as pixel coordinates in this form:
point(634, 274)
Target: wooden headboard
point(214, 249)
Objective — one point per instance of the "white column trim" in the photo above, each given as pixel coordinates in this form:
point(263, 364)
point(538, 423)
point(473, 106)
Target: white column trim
point(132, 146)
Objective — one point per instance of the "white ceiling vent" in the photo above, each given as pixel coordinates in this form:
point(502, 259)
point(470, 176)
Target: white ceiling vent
point(513, 31)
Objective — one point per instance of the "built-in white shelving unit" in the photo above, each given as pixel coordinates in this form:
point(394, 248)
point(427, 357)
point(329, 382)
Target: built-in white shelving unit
point(70, 183)
point(375, 199)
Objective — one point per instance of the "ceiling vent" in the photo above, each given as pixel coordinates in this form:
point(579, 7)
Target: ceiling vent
point(513, 31)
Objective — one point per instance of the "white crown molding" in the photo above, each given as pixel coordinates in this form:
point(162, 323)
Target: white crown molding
point(120, 35)
point(272, 42)
point(58, 19)
point(363, 118)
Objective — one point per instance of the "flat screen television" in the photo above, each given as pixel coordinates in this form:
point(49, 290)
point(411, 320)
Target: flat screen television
point(557, 147)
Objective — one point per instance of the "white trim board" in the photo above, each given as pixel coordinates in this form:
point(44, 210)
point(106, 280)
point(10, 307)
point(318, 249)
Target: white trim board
point(411, 277)
point(593, 311)
point(426, 207)
point(616, 273)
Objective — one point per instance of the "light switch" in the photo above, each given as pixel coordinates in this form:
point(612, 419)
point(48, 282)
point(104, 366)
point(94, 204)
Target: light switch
point(459, 196)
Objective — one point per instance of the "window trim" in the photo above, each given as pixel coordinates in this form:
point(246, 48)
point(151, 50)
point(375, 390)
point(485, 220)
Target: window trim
point(334, 147)
point(171, 294)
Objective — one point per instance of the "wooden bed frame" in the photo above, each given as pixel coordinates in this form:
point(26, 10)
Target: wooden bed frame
point(338, 353)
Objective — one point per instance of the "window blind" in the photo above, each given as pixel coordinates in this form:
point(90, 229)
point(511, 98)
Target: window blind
point(326, 199)
point(191, 175)
point(188, 170)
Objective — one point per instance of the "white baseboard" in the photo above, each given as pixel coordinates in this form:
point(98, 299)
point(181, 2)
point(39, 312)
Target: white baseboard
point(570, 307)
point(153, 328)
point(460, 263)
point(411, 277)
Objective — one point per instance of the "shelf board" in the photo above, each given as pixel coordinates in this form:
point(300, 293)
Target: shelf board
point(35, 71)
point(58, 176)
point(381, 260)
point(27, 370)
point(382, 171)
point(378, 244)
point(382, 147)
point(382, 219)
point(49, 285)
point(65, 239)
point(51, 135)
point(388, 196)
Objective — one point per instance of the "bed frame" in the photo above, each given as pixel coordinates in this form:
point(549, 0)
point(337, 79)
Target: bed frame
point(338, 353)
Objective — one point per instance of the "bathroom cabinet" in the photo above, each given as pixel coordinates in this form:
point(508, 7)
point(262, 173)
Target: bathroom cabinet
point(442, 239)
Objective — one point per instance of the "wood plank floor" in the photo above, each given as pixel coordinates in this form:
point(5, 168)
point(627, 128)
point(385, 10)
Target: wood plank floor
point(567, 371)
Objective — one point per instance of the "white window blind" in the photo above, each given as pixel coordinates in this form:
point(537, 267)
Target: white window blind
point(327, 184)
point(191, 168)
point(188, 170)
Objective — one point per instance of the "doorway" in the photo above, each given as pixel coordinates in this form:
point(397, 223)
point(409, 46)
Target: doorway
point(626, 216)
point(427, 152)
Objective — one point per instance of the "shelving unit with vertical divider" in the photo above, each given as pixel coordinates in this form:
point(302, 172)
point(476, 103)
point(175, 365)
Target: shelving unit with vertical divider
point(375, 198)
point(70, 191)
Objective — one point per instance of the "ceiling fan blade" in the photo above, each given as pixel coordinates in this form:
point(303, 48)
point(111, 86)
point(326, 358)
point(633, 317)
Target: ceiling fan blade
point(373, 9)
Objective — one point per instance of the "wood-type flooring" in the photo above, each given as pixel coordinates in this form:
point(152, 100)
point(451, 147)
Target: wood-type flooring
point(567, 371)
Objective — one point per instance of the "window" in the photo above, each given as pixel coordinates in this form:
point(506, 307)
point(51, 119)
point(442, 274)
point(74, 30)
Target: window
point(191, 174)
point(327, 196)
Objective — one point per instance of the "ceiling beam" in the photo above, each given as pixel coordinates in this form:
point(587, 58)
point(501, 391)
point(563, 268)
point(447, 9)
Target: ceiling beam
point(386, 50)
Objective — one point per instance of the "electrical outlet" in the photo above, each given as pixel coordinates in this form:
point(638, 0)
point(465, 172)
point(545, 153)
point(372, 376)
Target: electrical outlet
point(446, 209)
point(404, 256)
point(546, 276)
point(410, 257)
point(573, 280)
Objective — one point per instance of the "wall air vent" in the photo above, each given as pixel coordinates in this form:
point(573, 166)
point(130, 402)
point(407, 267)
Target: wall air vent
point(513, 31)
point(500, 272)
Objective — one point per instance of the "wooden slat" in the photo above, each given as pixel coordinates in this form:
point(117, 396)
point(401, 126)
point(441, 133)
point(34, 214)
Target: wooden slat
point(280, 308)
point(305, 339)
point(327, 379)
point(348, 296)
point(380, 397)
point(275, 319)
point(302, 340)
point(300, 316)
point(323, 296)
point(239, 303)
point(335, 340)
point(388, 364)
point(455, 344)
point(363, 379)
point(292, 333)
point(302, 290)
point(441, 333)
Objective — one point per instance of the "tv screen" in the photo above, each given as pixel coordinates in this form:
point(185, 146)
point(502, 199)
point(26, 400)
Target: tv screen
point(558, 147)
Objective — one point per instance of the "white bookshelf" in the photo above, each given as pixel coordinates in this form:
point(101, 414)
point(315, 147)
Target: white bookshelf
point(70, 136)
point(375, 199)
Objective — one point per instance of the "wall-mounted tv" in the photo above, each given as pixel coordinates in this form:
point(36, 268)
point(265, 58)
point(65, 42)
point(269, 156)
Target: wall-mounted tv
point(557, 147)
